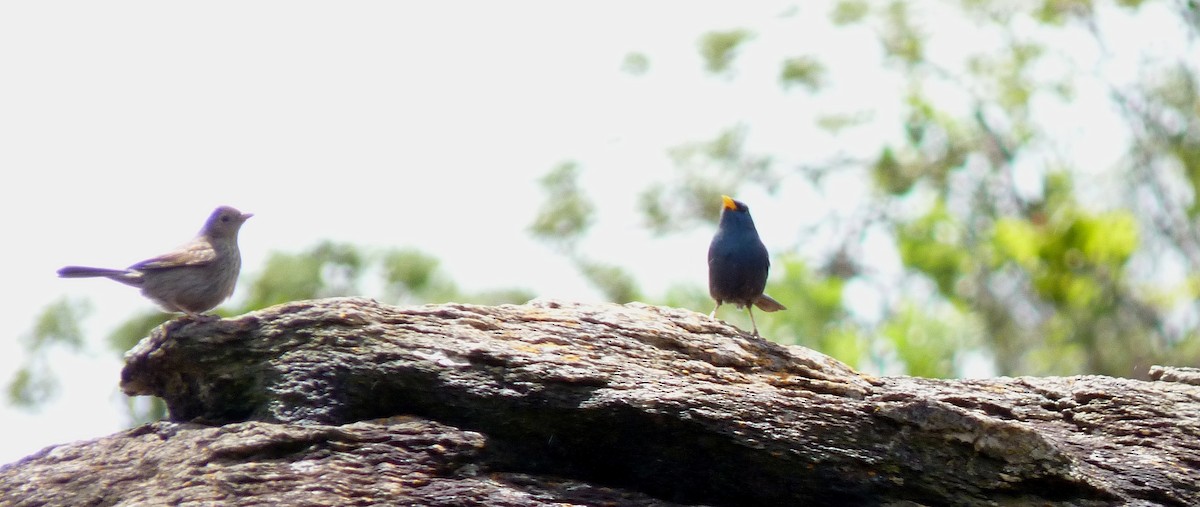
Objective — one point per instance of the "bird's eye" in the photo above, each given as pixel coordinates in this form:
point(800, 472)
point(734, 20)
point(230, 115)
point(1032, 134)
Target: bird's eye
point(225, 218)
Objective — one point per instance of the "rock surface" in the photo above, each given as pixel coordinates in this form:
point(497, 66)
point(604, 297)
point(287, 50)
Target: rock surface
point(347, 401)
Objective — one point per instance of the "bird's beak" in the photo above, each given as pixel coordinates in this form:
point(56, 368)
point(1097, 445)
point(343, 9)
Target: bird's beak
point(246, 216)
point(729, 204)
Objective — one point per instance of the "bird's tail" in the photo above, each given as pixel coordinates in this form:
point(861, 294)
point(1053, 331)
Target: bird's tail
point(768, 304)
point(86, 272)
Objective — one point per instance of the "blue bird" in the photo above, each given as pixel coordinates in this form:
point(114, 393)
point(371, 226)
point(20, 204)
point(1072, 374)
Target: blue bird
point(738, 263)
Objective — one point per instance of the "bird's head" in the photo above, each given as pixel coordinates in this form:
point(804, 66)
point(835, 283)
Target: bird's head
point(731, 204)
point(224, 222)
point(735, 215)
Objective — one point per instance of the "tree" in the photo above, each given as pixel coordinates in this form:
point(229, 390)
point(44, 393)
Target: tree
point(1018, 248)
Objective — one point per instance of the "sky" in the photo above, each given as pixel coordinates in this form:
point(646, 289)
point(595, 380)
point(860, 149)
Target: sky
point(381, 124)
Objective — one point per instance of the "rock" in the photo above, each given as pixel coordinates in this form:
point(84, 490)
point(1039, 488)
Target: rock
point(348, 401)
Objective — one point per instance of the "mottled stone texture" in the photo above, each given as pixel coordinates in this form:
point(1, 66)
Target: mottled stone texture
point(351, 402)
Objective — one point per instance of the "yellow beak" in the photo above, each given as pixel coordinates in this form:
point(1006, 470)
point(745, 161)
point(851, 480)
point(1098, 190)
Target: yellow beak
point(729, 204)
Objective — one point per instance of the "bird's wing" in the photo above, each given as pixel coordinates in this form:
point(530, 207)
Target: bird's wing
point(196, 253)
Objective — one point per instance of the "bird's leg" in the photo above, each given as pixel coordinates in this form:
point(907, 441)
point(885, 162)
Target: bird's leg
point(750, 309)
point(713, 313)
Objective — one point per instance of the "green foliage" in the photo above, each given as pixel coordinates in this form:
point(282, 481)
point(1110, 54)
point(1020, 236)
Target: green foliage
point(1072, 261)
point(835, 123)
point(688, 296)
point(616, 283)
point(1038, 282)
point(936, 144)
point(409, 268)
point(849, 11)
point(921, 338)
point(814, 302)
point(145, 409)
point(286, 276)
point(328, 269)
point(719, 48)
point(412, 275)
point(1058, 12)
point(804, 71)
point(564, 218)
point(58, 324)
point(567, 213)
point(1081, 255)
point(705, 170)
point(1035, 280)
point(1014, 88)
point(891, 176)
point(816, 316)
point(497, 297)
point(636, 64)
point(1174, 93)
point(655, 209)
point(933, 245)
point(901, 38)
point(123, 338)
point(56, 328)
point(126, 335)
point(1016, 241)
point(31, 386)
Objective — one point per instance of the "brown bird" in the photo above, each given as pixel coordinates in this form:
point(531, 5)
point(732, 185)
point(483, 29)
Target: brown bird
point(194, 278)
point(738, 263)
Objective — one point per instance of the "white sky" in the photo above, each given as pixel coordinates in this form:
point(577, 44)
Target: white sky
point(376, 123)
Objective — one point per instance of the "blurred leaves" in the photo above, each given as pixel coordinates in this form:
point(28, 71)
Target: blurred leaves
point(616, 283)
point(328, 269)
point(635, 64)
point(56, 330)
point(803, 71)
point(933, 245)
point(816, 316)
point(563, 220)
point(704, 171)
point(59, 325)
point(32, 385)
point(567, 213)
point(849, 11)
point(901, 38)
point(921, 339)
point(1002, 257)
point(128, 333)
point(719, 48)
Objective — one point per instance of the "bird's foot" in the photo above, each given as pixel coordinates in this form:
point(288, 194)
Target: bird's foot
point(201, 317)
